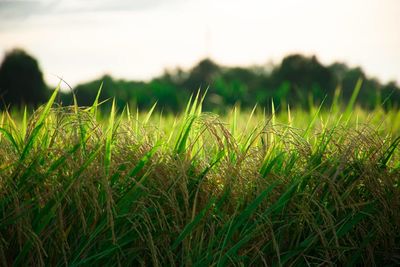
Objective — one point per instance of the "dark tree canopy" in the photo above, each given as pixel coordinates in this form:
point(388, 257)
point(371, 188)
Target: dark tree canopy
point(304, 76)
point(202, 75)
point(298, 81)
point(21, 81)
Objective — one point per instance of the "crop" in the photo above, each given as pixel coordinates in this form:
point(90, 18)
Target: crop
point(283, 187)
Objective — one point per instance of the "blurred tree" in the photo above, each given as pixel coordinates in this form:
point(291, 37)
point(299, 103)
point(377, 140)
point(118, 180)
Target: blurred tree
point(390, 95)
point(239, 85)
point(306, 76)
point(202, 75)
point(21, 81)
point(347, 78)
point(298, 81)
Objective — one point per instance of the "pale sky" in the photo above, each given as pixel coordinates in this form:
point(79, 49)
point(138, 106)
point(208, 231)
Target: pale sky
point(81, 40)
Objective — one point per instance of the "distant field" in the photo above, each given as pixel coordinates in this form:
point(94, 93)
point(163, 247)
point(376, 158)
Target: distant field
point(258, 187)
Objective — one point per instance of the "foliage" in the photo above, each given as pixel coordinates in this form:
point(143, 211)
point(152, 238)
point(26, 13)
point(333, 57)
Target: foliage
point(83, 188)
point(21, 81)
point(298, 81)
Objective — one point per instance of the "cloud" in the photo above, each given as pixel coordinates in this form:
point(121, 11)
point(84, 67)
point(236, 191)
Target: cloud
point(112, 5)
point(14, 10)
point(18, 9)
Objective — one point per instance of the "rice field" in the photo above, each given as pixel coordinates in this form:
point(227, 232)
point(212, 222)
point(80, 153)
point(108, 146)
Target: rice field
point(278, 187)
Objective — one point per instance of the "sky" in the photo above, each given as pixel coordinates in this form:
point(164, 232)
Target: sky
point(80, 40)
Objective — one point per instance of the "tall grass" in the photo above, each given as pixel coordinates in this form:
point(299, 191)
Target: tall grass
point(278, 188)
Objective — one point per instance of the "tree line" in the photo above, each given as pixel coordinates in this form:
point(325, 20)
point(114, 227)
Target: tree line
point(298, 81)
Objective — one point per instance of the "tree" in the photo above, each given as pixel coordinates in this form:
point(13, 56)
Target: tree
point(21, 81)
point(305, 76)
point(203, 75)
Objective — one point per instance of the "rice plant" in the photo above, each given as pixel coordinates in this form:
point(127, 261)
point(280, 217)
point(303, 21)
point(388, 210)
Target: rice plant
point(252, 188)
